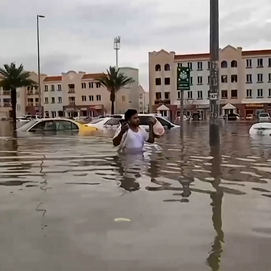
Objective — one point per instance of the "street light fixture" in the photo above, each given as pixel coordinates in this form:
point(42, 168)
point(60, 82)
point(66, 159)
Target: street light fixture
point(38, 45)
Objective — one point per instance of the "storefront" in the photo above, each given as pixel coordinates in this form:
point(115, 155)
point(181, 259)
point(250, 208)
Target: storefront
point(254, 109)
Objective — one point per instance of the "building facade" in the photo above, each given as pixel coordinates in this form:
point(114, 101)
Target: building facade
point(244, 82)
point(143, 100)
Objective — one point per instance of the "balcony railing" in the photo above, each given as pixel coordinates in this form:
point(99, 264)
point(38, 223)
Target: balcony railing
point(36, 92)
point(7, 104)
point(30, 104)
point(71, 103)
point(29, 92)
point(167, 101)
point(6, 92)
point(71, 90)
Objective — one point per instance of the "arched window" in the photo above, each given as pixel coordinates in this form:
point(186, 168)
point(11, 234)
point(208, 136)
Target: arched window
point(167, 67)
point(157, 68)
point(224, 64)
point(234, 64)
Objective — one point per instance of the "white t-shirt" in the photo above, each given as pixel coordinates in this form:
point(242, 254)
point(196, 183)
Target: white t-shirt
point(132, 141)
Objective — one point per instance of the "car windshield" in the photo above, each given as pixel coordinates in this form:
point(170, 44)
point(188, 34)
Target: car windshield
point(96, 121)
point(27, 125)
point(264, 115)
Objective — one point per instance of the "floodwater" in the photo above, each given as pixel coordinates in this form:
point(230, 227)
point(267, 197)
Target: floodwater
point(71, 203)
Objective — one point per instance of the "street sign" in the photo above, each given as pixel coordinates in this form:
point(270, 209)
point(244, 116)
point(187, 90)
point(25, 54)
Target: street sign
point(183, 78)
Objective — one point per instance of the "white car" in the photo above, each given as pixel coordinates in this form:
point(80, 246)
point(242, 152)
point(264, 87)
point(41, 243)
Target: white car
point(260, 129)
point(264, 117)
point(113, 122)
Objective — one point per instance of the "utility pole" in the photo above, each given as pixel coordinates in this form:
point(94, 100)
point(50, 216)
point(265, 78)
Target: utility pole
point(117, 48)
point(38, 45)
point(214, 70)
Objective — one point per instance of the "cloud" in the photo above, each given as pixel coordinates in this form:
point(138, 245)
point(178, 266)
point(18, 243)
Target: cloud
point(78, 34)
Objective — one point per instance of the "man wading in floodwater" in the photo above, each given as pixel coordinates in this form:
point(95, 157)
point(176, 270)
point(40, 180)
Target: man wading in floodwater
point(130, 137)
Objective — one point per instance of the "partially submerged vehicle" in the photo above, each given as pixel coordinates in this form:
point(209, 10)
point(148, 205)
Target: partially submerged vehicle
point(49, 125)
point(262, 129)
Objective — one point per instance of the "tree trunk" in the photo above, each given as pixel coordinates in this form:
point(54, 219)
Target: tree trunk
point(13, 106)
point(112, 99)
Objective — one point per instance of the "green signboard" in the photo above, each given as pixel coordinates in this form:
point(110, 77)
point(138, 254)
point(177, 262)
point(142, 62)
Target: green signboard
point(183, 78)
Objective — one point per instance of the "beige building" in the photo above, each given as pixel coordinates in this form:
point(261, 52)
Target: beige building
point(143, 100)
point(245, 82)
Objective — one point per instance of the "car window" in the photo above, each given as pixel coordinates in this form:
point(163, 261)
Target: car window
point(163, 122)
point(264, 115)
point(96, 121)
point(38, 127)
point(49, 126)
point(144, 120)
point(63, 125)
point(113, 121)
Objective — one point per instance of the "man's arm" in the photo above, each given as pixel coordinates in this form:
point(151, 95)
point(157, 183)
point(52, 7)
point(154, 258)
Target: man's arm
point(151, 134)
point(117, 139)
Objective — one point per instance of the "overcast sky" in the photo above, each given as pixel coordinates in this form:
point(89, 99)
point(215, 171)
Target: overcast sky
point(78, 34)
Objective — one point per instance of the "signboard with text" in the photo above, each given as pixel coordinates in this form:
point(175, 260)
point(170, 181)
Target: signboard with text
point(183, 78)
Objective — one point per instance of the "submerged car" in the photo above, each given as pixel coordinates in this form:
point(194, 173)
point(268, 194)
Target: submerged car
point(56, 125)
point(260, 129)
point(114, 121)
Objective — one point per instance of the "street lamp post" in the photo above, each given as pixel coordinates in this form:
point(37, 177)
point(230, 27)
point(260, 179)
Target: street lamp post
point(214, 70)
point(38, 46)
point(117, 48)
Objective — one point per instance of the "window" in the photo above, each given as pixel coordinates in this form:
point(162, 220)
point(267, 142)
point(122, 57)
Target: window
point(249, 63)
point(224, 64)
point(45, 88)
point(62, 125)
point(157, 68)
point(123, 98)
point(90, 85)
point(91, 98)
point(167, 95)
point(71, 88)
point(224, 79)
point(84, 98)
point(179, 95)
point(190, 95)
point(158, 96)
point(209, 65)
point(234, 64)
point(269, 62)
point(113, 121)
point(98, 85)
point(36, 100)
point(269, 92)
point(209, 80)
point(59, 87)
point(199, 80)
point(249, 93)
point(259, 93)
point(158, 81)
point(199, 66)
point(71, 99)
point(52, 88)
point(167, 67)
point(46, 101)
point(191, 80)
point(234, 94)
point(98, 97)
point(259, 78)
point(269, 78)
point(167, 81)
point(249, 78)
point(84, 85)
point(53, 100)
point(190, 65)
point(234, 78)
point(59, 100)
point(224, 94)
point(200, 95)
point(260, 62)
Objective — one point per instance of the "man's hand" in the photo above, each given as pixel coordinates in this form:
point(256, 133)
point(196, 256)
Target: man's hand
point(152, 121)
point(124, 127)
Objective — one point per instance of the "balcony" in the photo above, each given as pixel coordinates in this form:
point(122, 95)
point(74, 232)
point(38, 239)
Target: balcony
point(71, 90)
point(71, 103)
point(167, 101)
point(7, 104)
point(6, 92)
point(36, 92)
point(158, 101)
point(30, 104)
point(30, 92)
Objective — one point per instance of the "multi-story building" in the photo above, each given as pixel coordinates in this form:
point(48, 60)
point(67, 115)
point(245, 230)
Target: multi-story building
point(244, 86)
point(143, 100)
point(5, 105)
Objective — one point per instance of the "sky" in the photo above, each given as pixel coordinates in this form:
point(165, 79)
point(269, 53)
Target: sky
point(78, 34)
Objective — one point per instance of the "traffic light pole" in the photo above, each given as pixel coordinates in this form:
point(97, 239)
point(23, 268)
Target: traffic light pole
point(214, 70)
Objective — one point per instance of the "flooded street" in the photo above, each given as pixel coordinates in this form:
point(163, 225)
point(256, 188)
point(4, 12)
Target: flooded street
point(187, 206)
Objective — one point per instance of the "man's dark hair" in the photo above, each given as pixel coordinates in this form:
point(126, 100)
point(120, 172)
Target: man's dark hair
point(129, 113)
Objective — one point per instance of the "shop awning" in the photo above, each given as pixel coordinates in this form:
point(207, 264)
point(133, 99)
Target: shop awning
point(228, 106)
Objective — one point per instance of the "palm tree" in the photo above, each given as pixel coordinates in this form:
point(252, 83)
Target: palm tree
point(113, 81)
point(12, 78)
